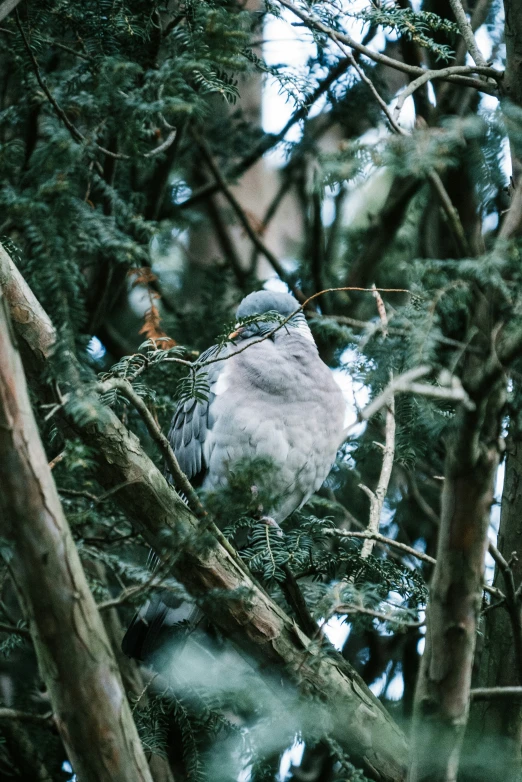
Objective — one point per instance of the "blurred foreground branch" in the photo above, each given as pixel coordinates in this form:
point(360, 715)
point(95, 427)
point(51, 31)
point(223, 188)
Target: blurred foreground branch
point(74, 656)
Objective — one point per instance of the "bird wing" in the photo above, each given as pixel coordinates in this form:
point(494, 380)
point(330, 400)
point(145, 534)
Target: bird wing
point(189, 429)
point(192, 420)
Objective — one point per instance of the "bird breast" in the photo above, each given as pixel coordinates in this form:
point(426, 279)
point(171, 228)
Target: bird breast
point(277, 399)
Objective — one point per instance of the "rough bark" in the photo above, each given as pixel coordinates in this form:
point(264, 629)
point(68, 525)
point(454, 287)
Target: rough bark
point(512, 83)
point(347, 709)
point(34, 330)
point(496, 725)
point(472, 455)
point(90, 708)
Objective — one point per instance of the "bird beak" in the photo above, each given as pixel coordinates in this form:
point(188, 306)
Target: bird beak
point(235, 334)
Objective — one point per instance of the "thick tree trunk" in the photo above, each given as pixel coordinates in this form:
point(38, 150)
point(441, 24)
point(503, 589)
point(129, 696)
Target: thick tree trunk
point(496, 726)
point(345, 706)
point(512, 83)
point(472, 455)
point(444, 682)
point(74, 655)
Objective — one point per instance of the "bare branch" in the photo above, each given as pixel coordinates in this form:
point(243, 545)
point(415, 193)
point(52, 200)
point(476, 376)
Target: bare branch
point(378, 538)
point(349, 608)
point(377, 498)
point(495, 693)
point(26, 716)
point(454, 75)
point(467, 32)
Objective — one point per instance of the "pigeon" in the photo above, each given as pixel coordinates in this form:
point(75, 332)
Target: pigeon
point(269, 395)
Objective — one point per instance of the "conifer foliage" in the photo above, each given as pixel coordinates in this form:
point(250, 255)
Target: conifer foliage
point(367, 634)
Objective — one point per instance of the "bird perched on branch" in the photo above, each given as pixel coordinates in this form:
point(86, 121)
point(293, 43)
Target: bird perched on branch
point(271, 396)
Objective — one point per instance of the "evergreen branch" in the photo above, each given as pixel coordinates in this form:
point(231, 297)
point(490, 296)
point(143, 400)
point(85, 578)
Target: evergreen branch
point(22, 631)
point(73, 130)
point(271, 140)
point(452, 75)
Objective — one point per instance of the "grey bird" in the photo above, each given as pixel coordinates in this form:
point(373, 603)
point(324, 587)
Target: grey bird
point(275, 399)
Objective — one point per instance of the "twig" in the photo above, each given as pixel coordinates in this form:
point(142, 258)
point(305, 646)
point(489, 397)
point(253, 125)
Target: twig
point(22, 631)
point(451, 74)
point(407, 550)
point(245, 222)
point(495, 693)
point(56, 460)
point(130, 593)
point(25, 716)
point(405, 383)
point(180, 479)
point(366, 79)
point(162, 147)
point(467, 32)
point(377, 498)
point(378, 538)
point(283, 323)
point(440, 73)
point(348, 608)
point(450, 211)
point(92, 497)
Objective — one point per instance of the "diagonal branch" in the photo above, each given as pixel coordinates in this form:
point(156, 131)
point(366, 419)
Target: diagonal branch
point(453, 75)
point(467, 32)
point(355, 717)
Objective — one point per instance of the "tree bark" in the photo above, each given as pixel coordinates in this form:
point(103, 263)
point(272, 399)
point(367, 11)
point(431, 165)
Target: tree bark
point(442, 696)
point(76, 663)
point(35, 332)
point(512, 83)
point(496, 725)
point(348, 710)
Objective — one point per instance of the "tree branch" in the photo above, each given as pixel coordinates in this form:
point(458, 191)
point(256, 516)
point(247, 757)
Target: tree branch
point(452, 75)
point(71, 646)
point(467, 32)
point(254, 622)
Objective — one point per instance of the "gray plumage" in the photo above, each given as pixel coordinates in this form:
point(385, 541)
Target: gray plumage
point(275, 399)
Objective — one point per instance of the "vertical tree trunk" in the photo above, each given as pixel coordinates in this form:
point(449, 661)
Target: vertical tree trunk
point(496, 726)
point(442, 696)
point(74, 654)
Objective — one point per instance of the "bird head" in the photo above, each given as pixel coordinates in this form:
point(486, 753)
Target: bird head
point(270, 308)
